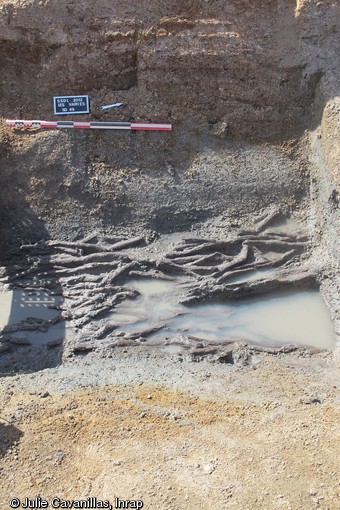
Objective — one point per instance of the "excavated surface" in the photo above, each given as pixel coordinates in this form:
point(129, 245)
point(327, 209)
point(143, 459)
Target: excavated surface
point(248, 180)
point(211, 436)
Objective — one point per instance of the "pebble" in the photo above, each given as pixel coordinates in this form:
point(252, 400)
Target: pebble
point(44, 394)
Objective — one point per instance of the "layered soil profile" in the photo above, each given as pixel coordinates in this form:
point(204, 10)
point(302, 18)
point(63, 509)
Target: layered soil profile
point(241, 85)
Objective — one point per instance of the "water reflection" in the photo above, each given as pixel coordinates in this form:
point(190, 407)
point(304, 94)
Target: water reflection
point(299, 317)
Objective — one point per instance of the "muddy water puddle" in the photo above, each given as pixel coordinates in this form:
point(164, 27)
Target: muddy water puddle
point(287, 226)
point(250, 276)
point(300, 317)
point(19, 305)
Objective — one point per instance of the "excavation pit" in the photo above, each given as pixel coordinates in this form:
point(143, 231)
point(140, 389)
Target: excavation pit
point(240, 199)
point(178, 292)
point(190, 357)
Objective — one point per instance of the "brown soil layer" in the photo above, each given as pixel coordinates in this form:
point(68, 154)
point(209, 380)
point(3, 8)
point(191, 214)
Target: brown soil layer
point(226, 441)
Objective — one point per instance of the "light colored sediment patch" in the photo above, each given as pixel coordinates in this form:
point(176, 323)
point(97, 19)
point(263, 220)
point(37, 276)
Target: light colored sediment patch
point(253, 439)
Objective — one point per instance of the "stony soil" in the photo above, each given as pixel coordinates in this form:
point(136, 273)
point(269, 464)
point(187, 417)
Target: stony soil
point(252, 91)
point(175, 434)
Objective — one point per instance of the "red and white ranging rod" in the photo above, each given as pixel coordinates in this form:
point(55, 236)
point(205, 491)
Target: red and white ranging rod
point(64, 124)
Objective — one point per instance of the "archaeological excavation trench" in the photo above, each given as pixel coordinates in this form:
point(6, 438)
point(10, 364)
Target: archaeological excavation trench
point(213, 241)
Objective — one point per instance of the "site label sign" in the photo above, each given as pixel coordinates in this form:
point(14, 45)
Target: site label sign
point(67, 105)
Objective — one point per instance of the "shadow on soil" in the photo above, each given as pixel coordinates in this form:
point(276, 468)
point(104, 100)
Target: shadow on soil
point(9, 435)
point(24, 335)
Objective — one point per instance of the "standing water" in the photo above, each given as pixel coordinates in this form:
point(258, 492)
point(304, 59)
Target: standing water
point(19, 305)
point(299, 317)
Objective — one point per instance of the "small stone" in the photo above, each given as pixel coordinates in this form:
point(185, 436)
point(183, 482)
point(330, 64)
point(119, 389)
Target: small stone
point(209, 468)
point(313, 399)
point(59, 457)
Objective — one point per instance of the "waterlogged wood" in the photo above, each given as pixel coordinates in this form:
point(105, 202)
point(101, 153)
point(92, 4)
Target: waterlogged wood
point(247, 268)
point(168, 265)
point(86, 303)
point(85, 346)
point(34, 324)
point(185, 260)
point(204, 351)
point(65, 268)
point(124, 342)
point(119, 273)
point(65, 261)
point(101, 298)
point(273, 214)
point(95, 238)
point(85, 248)
point(128, 243)
point(154, 274)
point(199, 259)
point(202, 270)
point(89, 247)
point(239, 259)
point(146, 331)
point(197, 240)
point(104, 279)
point(272, 350)
point(280, 280)
point(112, 239)
point(106, 330)
point(201, 248)
point(281, 260)
point(83, 317)
point(45, 270)
point(20, 341)
point(214, 256)
point(87, 268)
point(276, 244)
point(83, 278)
point(289, 237)
point(285, 257)
point(91, 238)
point(38, 248)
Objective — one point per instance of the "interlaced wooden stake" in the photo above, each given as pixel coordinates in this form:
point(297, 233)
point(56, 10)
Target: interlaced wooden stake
point(66, 124)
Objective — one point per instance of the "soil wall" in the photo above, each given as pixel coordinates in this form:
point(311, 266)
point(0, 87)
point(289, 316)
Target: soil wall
point(241, 81)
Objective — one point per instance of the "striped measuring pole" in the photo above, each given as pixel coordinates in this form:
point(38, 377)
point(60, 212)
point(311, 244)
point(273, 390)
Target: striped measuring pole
point(66, 124)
